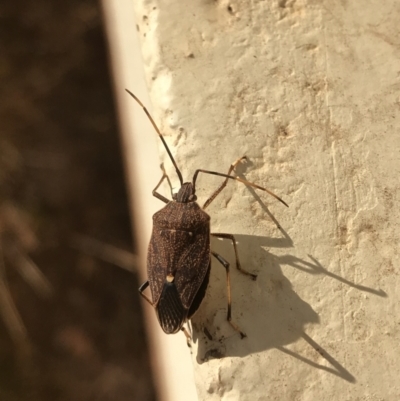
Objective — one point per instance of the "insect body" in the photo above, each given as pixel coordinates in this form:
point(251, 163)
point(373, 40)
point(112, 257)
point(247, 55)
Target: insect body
point(179, 254)
point(178, 261)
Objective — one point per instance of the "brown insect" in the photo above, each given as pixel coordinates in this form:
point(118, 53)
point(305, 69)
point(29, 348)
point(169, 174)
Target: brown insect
point(179, 255)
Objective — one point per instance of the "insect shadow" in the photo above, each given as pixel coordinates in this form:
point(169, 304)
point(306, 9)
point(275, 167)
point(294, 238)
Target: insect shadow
point(269, 310)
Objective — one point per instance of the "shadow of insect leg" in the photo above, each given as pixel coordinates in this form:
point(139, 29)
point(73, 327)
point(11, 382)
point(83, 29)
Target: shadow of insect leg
point(223, 185)
point(155, 193)
point(228, 288)
point(141, 289)
point(238, 266)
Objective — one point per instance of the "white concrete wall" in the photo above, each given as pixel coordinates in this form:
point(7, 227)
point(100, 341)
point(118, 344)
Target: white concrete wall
point(310, 92)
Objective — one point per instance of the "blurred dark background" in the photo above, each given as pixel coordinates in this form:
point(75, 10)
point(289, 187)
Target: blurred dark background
point(70, 329)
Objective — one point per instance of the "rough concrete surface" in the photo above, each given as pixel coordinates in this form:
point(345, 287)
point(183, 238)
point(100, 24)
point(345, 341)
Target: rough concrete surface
point(309, 91)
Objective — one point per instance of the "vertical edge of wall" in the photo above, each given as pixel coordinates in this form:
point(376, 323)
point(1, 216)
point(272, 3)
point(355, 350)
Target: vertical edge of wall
point(172, 367)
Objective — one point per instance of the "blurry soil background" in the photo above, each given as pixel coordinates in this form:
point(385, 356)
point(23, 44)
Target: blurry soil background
point(70, 328)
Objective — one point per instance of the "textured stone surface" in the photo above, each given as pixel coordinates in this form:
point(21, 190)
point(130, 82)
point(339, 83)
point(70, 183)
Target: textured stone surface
point(309, 91)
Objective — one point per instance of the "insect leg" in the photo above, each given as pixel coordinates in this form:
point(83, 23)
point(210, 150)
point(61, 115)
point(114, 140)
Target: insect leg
point(155, 193)
point(248, 183)
point(223, 185)
point(228, 289)
point(238, 266)
point(141, 289)
point(188, 337)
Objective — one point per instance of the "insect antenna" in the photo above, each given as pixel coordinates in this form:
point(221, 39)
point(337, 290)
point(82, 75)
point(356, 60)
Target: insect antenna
point(160, 135)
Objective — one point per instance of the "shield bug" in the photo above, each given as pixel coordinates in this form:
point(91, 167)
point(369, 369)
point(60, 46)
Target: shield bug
point(179, 253)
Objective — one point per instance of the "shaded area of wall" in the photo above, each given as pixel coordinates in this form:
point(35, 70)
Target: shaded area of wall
point(81, 333)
